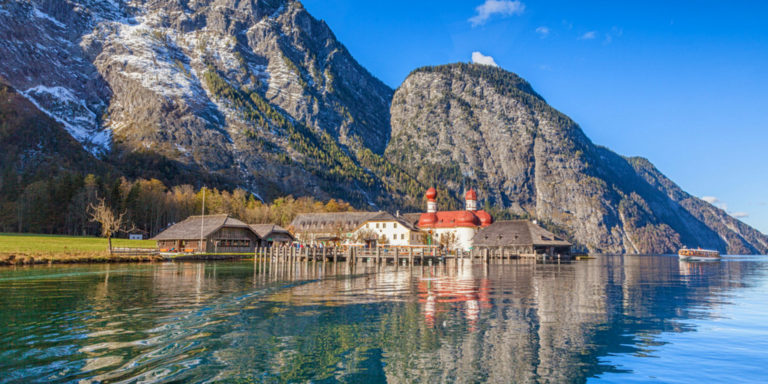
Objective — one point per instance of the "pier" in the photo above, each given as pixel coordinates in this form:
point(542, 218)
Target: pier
point(413, 255)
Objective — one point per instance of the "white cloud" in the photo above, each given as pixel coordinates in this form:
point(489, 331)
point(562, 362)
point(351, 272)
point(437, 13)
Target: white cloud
point(722, 205)
point(479, 58)
point(614, 33)
point(496, 7)
point(588, 36)
point(710, 199)
point(543, 31)
point(716, 202)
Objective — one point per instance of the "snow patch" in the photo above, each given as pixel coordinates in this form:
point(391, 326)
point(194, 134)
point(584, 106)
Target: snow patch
point(42, 15)
point(151, 59)
point(278, 12)
point(62, 105)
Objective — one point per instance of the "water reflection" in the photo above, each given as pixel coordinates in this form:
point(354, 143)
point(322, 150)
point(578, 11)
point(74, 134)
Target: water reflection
point(280, 322)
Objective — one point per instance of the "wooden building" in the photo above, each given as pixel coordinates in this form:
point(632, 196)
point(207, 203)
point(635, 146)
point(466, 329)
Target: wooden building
point(329, 228)
point(219, 234)
point(272, 234)
point(520, 238)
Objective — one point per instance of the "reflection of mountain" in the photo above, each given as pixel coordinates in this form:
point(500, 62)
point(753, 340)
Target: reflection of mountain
point(298, 323)
point(509, 323)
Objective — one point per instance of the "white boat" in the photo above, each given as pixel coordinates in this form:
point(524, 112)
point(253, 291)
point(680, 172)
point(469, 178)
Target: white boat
point(698, 254)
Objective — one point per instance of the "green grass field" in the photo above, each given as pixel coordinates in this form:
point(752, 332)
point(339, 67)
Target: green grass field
point(53, 244)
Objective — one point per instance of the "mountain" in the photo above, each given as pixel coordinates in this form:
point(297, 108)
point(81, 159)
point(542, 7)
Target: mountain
point(258, 94)
point(468, 124)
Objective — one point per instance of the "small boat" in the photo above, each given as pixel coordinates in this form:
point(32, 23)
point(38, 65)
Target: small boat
point(698, 254)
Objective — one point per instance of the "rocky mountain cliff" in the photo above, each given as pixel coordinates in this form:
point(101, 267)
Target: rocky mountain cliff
point(479, 125)
point(260, 95)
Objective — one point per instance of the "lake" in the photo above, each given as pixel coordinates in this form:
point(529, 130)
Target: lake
point(611, 319)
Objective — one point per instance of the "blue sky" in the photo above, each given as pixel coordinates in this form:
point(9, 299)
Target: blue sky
point(684, 83)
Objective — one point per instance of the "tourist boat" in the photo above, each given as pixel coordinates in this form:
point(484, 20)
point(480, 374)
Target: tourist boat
point(698, 254)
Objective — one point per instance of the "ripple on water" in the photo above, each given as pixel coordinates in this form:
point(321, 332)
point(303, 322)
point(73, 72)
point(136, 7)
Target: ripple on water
point(610, 318)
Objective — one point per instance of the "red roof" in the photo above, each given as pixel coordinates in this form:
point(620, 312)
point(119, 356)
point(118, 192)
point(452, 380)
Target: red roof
point(471, 195)
point(431, 194)
point(454, 219)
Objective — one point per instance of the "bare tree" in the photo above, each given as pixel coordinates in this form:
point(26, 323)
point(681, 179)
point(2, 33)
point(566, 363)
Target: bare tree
point(364, 235)
point(448, 240)
point(111, 224)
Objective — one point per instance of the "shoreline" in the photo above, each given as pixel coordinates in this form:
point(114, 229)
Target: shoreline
point(21, 258)
point(18, 258)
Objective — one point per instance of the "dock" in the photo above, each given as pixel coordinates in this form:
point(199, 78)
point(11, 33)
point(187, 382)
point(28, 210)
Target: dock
point(413, 255)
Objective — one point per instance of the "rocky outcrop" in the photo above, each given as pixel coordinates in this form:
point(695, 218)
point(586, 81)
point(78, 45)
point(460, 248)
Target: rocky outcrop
point(259, 93)
point(466, 124)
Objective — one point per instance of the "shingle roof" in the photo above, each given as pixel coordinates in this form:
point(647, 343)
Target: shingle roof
point(516, 232)
point(412, 218)
point(264, 230)
point(348, 221)
point(190, 229)
point(330, 222)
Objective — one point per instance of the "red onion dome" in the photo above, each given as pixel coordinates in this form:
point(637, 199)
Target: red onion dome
point(466, 219)
point(471, 195)
point(427, 219)
point(485, 218)
point(431, 194)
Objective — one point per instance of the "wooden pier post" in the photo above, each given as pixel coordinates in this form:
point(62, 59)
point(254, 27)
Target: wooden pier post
point(410, 256)
point(335, 252)
point(396, 257)
point(378, 255)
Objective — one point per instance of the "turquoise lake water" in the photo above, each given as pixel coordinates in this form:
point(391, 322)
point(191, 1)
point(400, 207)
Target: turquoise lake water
point(609, 320)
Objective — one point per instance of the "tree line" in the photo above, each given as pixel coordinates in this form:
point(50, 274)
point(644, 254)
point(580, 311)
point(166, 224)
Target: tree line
point(60, 205)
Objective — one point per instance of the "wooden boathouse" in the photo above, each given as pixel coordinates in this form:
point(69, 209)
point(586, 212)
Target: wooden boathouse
point(519, 238)
point(272, 235)
point(209, 234)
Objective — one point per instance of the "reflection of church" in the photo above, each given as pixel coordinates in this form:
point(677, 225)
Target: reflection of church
point(451, 292)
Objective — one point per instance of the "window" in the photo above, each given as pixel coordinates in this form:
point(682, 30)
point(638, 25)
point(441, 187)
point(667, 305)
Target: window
point(383, 225)
point(402, 236)
point(377, 225)
point(394, 237)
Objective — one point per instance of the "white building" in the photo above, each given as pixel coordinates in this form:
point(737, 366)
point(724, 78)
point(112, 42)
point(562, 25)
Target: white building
point(386, 229)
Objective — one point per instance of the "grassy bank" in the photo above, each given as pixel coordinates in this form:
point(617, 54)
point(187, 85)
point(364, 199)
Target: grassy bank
point(35, 249)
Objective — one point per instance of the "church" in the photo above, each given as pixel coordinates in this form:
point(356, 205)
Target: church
point(453, 229)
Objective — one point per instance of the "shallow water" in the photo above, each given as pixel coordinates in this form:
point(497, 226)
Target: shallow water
point(612, 319)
